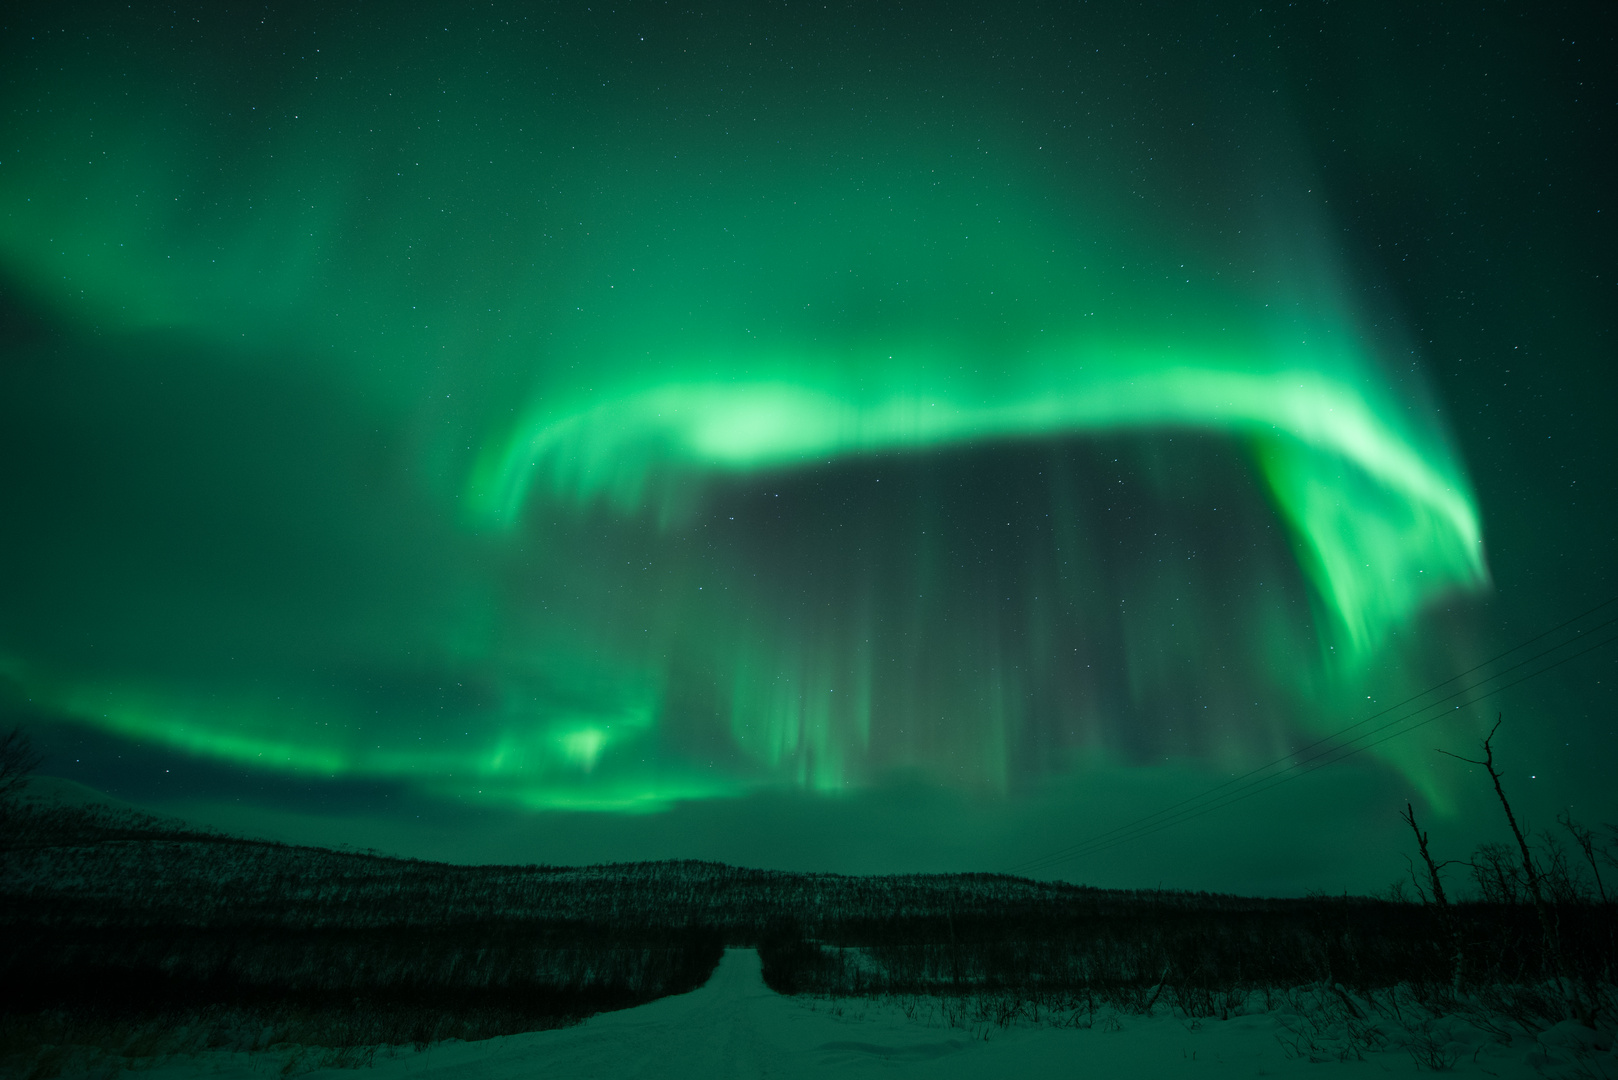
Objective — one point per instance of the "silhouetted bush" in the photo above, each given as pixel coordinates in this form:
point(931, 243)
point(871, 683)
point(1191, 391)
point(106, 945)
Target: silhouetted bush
point(791, 963)
point(130, 926)
point(121, 930)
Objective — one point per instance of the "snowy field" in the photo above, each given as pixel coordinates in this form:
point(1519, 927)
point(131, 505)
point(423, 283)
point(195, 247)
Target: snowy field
point(736, 1027)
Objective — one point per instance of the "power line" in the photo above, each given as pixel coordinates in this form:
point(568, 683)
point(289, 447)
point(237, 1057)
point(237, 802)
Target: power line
point(1303, 768)
point(1262, 783)
point(1148, 826)
point(1253, 781)
point(1170, 809)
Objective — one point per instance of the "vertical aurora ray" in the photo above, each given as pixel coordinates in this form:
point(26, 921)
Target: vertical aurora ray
point(709, 452)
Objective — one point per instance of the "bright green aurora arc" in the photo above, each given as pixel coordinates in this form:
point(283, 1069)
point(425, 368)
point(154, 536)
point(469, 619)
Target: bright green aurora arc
point(614, 410)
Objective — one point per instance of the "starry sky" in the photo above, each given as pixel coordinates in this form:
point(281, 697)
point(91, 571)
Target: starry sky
point(860, 437)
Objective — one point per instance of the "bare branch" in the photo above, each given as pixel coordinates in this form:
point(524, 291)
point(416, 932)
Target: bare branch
point(1409, 818)
point(1536, 887)
point(1587, 844)
point(18, 760)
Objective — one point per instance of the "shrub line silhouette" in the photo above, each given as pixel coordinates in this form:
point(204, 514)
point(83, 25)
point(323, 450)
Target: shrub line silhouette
point(118, 928)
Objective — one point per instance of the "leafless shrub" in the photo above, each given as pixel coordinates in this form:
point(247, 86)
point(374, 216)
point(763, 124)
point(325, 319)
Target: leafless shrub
point(1431, 1047)
point(1323, 1024)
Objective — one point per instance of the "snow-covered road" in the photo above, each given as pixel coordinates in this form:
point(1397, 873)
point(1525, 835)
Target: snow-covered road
point(735, 1027)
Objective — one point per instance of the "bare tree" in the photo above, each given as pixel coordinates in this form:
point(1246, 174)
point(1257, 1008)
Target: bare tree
point(18, 760)
point(1436, 883)
point(1494, 870)
point(1587, 844)
point(1534, 879)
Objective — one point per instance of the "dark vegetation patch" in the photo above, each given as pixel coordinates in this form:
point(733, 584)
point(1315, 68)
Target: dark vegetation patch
point(132, 938)
point(124, 938)
point(1199, 954)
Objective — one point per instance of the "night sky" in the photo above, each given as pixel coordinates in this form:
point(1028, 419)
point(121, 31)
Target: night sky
point(860, 438)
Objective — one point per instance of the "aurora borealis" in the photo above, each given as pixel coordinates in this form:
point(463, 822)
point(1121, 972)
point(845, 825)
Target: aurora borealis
point(606, 416)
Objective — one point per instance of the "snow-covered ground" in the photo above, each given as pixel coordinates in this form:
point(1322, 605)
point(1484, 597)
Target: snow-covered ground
point(736, 1027)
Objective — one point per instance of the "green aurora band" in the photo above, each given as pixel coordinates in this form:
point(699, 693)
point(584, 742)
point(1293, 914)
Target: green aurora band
point(608, 334)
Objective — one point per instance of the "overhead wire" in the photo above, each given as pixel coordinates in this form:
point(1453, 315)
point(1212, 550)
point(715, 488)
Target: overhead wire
point(1262, 778)
point(1290, 757)
point(1359, 723)
point(1393, 723)
point(1303, 768)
